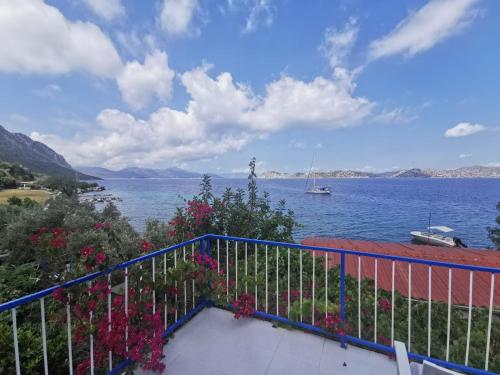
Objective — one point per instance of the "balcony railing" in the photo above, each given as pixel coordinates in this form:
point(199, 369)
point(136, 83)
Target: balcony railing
point(307, 287)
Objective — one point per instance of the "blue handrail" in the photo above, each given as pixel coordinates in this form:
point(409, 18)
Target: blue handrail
point(495, 270)
point(204, 242)
point(34, 296)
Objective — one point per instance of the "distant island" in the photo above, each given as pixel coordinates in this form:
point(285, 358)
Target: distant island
point(463, 172)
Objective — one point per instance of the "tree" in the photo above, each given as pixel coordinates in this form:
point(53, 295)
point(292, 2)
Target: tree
point(237, 213)
point(494, 232)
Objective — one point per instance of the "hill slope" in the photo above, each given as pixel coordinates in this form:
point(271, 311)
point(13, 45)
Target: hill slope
point(136, 172)
point(19, 148)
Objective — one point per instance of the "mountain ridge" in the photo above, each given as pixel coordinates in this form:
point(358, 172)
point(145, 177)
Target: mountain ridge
point(461, 172)
point(138, 172)
point(40, 158)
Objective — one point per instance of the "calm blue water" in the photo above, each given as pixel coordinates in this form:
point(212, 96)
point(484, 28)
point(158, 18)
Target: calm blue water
point(368, 209)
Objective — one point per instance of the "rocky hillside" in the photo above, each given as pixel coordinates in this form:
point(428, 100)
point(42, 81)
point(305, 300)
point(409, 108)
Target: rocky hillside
point(19, 148)
point(136, 172)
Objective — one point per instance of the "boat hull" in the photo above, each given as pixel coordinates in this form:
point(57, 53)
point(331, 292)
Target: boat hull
point(432, 239)
point(321, 192)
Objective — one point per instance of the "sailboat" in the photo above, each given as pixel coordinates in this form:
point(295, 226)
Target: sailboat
point(316, 189)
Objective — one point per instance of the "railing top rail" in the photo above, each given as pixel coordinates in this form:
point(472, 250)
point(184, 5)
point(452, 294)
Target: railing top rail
point(495, 270)
point(35, 296)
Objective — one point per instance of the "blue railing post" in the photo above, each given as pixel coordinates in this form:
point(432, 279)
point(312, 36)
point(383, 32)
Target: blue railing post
point(202, 246)
point(208, 246)
point(342, 297)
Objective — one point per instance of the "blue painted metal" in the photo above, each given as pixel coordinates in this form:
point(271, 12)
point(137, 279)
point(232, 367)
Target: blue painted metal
point(368, 344)
point(118, 369)
point(495, 270)
point(184, 319)
point(205, 249)
point(35, 296)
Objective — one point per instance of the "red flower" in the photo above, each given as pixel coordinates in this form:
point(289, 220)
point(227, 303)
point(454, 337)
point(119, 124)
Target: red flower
point(58, 242)
point(199, 211)
point(59, 295)
point(146, 246)
point(87, 251)
point(385, 305)
point(100, 258)
point(244, 306)
point(57, 231)
point(34, 238)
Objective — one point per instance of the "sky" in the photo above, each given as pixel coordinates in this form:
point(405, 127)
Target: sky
point(208, 84)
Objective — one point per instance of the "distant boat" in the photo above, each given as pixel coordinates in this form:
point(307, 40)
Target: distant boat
point(316, 189)
point(431, 238)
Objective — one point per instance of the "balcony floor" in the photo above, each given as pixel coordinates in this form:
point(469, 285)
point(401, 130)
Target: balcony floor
point(214, 343)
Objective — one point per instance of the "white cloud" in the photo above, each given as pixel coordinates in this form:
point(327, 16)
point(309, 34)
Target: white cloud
point(396, 116)
point(261, 13)
point(106, 9)
point(136, 44)
point(322, 102)
point(176, 15)
point(46, 42)
point(464, 129)
point(434, 22)
point(337, 44)
point(139, 83)
point(296, 144)
point(464, 156)
point(122, 140)
point(221, 116)
point(493, 164)
point(49, 91)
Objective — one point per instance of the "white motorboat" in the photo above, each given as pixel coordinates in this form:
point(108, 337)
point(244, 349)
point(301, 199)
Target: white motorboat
point(431, 238)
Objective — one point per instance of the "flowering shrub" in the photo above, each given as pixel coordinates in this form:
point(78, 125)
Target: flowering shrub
point(244, 306)
point(142, 326)
point(50, 244)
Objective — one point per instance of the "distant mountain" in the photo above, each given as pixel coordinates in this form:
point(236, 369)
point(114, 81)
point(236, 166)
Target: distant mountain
point(137, 172)
point(463, 172)
point(19, 148)
point(414, 172)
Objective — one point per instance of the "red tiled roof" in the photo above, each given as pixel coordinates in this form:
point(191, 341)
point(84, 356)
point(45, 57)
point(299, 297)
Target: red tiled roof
point(419, 272)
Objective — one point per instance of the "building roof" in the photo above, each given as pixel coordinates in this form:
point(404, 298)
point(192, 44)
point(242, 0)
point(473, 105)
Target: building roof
point(419, 272)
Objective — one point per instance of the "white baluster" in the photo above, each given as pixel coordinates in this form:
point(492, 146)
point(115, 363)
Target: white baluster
point(44, 336)
point(16, 343)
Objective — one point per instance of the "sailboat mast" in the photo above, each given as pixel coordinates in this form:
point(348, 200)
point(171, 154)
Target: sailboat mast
point(309, 172)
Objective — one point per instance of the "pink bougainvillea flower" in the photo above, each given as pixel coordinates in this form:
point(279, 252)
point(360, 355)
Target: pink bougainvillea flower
point(59, 295)
point(385, 305)
point(146, 246)
point(58, 242)
point(100, 258)
point(57, 231)
point(34, 238)
point(87, 251)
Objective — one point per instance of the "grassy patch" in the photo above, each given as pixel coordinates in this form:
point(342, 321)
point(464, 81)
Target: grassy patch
point(36, 195)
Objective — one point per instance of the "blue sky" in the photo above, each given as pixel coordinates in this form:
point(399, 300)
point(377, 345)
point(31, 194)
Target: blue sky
point(206, 85)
